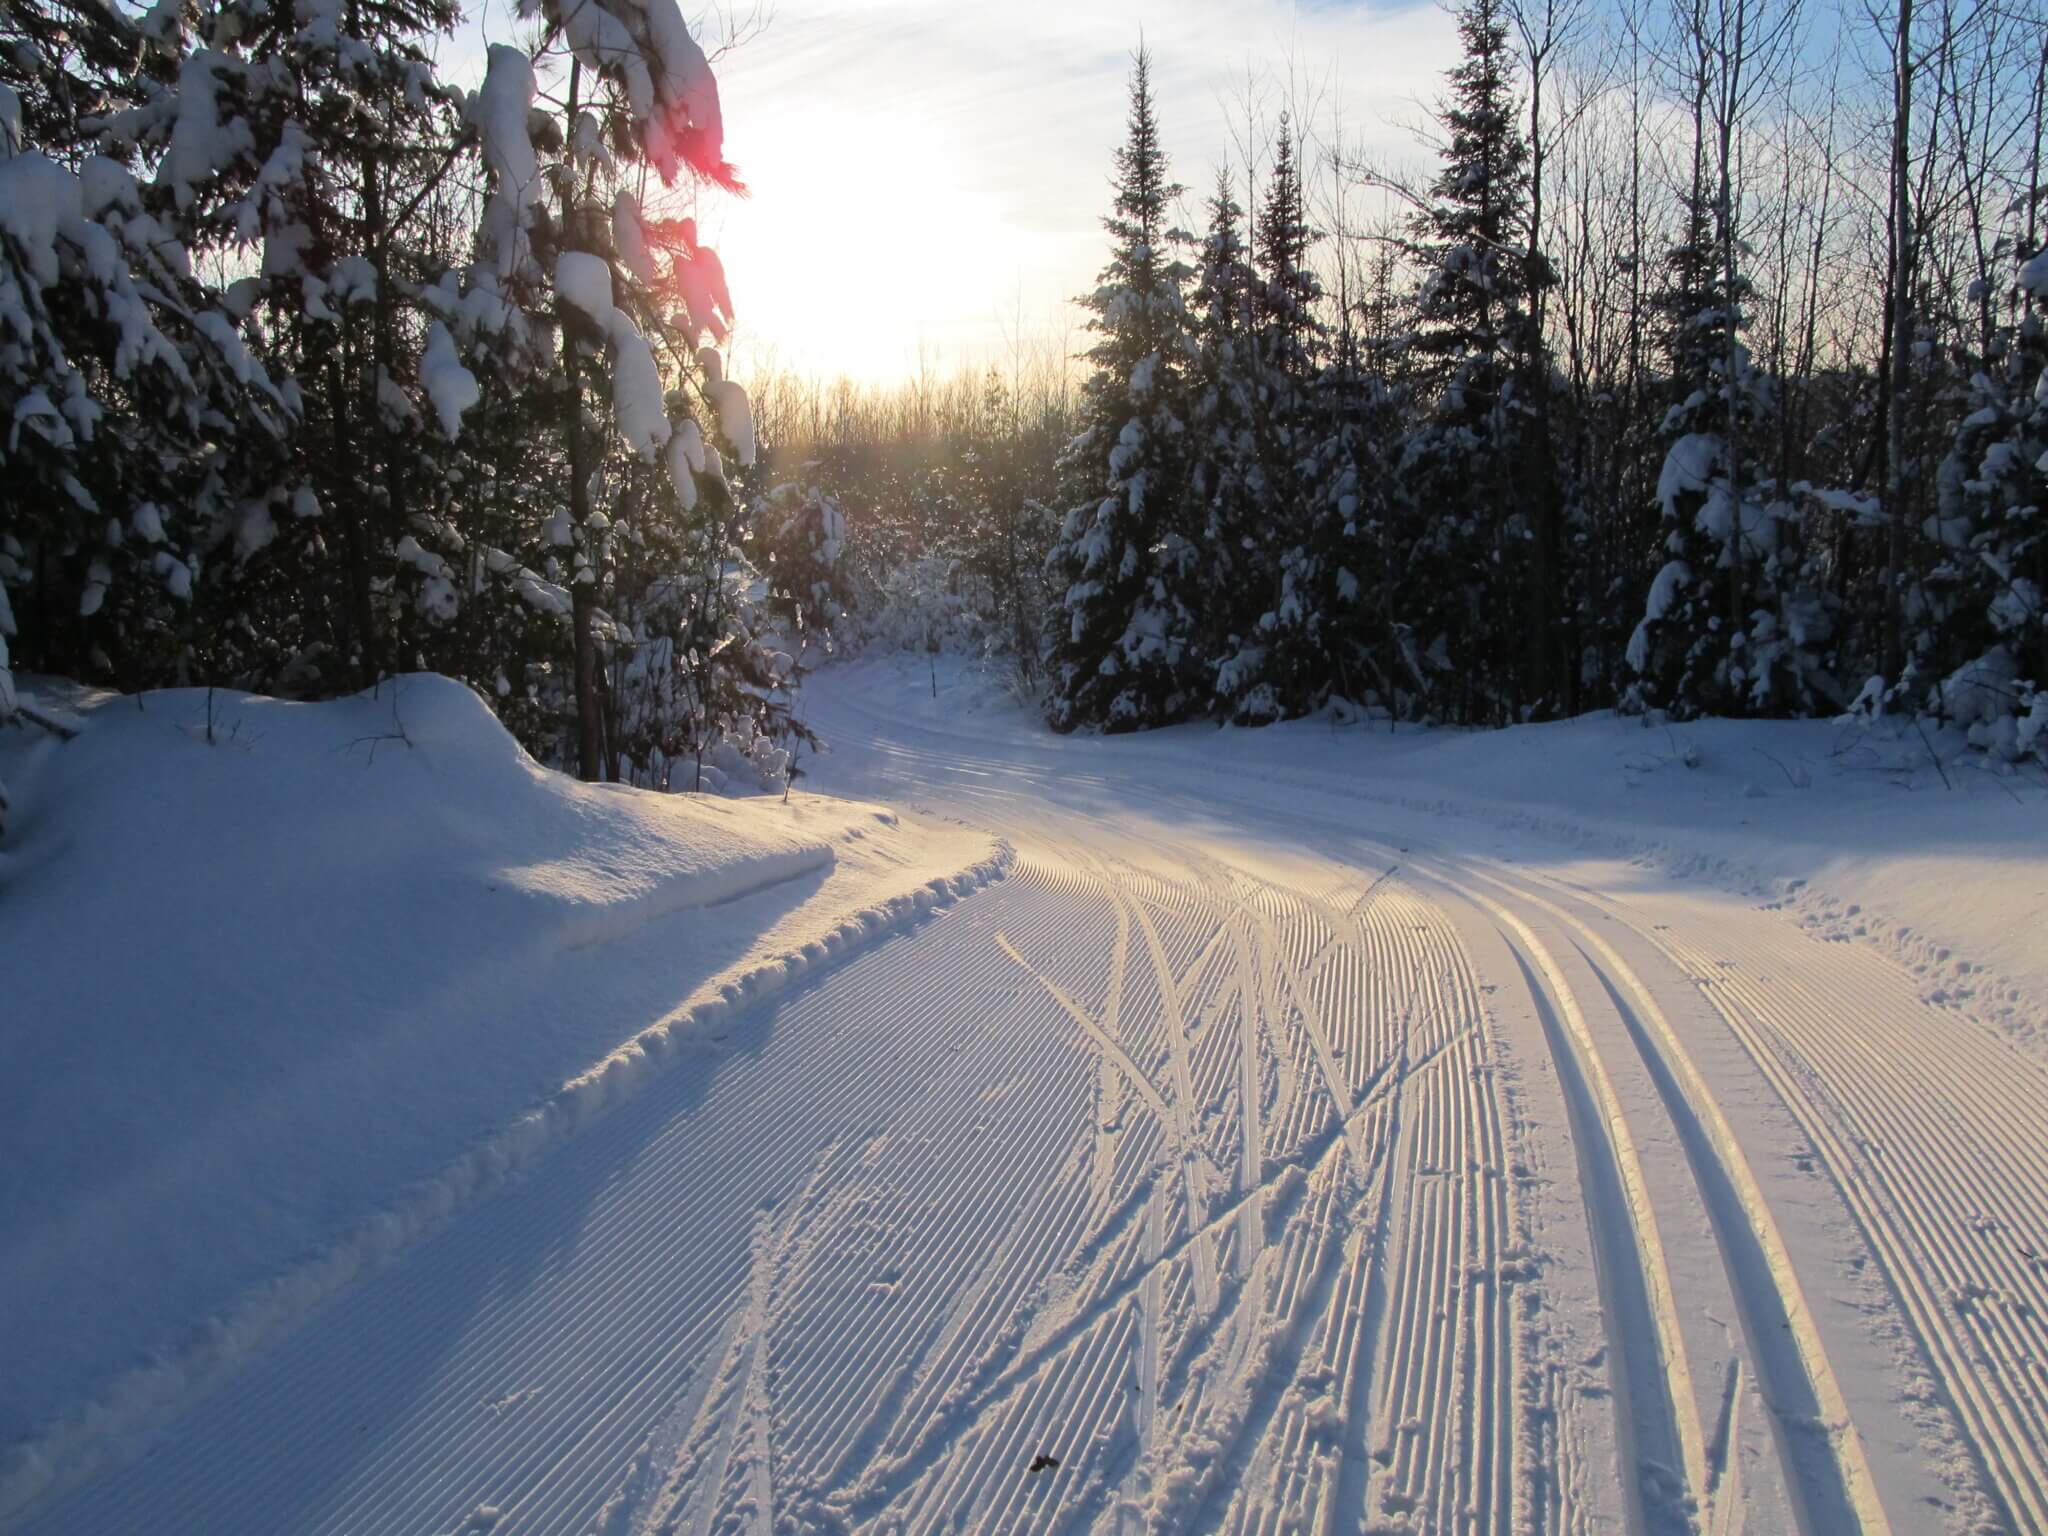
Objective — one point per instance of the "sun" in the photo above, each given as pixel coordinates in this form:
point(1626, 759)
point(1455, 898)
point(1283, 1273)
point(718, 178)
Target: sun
point(865, 241)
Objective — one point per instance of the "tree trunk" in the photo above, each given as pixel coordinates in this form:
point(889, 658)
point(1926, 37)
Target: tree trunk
point(376, 240)
point(1901, 353)
point(583, 592)
point(2034, 160)
point(1539, 448)
point(1738, 603)
point(361, 613)
point(589, 722)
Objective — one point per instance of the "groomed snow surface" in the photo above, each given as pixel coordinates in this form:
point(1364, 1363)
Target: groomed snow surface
point(1580, 1128)
point(277, 1002)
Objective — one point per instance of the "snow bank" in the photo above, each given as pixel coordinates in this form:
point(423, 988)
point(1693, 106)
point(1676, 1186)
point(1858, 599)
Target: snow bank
point(280, 1000)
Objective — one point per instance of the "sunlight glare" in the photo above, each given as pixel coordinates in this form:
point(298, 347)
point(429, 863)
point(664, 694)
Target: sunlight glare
point(863, 240)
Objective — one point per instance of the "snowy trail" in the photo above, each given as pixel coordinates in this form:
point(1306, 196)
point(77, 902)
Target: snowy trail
point(1244, 1162)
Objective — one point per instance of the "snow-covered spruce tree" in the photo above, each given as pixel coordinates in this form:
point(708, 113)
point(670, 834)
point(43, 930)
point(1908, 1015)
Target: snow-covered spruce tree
point(1281, 666)
point(1978, 620)
point(1728, 627)
point(1472, 347)
point(1290, 335)
point(138, 423)
point(576, 287)
point(1120, 639)
point(1332, 634)
point(698, 676)
point(1225, 474)
point(697, 656)
point(310, 137)
point(1369, 519)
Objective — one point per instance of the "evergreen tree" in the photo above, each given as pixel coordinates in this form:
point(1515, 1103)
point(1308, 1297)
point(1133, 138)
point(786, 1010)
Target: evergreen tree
point(1474, 349)
point(1335, 632)
point(702, 656)
point(1290, 333)
point(142, 429)
point(1473, 301)
point(569, 248)
point(1120, 642)
point(400, 431)
point(1729, 626)
point(1278, 666)
point(1979, 618)
point(337, 571)
point(1226, 478)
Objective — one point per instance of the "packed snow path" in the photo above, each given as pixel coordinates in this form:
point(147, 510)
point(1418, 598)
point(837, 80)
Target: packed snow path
point(1255, 1158)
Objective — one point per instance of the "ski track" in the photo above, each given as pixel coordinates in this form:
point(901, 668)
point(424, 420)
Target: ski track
point(1282, 1180)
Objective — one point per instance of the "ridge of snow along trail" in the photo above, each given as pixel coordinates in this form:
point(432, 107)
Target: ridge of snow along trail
point(1303, 1136)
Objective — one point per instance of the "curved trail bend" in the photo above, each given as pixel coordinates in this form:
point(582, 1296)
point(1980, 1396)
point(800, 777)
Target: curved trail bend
point(1253, 1159)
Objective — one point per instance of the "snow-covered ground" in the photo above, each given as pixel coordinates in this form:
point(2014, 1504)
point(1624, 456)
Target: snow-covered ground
point(1862, 833)
point(1578, 1128)
point(279, 1001)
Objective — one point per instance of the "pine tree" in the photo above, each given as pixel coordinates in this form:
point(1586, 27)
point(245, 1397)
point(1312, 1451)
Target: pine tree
point(1120, 642)
point(348, 133)
point(1279, 665)
point(139, 418)
point(1225, 413)
point(1474, 348)
point(703, 658)
point(569, 246)
point(1473, 299)
point(1980, 615)
point(1730, 626)
point(1336, 634)
point(1290, 333)
point(401, 435)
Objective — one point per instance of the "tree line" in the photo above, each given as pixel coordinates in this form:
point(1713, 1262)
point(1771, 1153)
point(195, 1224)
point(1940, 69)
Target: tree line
point(1702, 376)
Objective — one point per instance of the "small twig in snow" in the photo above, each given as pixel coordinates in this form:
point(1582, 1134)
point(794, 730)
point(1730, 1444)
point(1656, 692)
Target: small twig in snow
point(50, 723)
point(1795, 782)
point(373, 740)
point(1936, 756)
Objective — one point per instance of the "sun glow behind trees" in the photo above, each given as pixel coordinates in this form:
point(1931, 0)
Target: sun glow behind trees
point(927, 177)
point(921, 177)
point(843, 289)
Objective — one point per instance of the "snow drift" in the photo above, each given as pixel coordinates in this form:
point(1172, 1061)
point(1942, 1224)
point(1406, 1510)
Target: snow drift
point(286, 982)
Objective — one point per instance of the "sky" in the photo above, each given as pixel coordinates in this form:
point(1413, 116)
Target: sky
point(929, 176)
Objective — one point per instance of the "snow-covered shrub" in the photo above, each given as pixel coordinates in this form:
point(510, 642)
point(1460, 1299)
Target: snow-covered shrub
point(926, 605)
point(697, 676)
